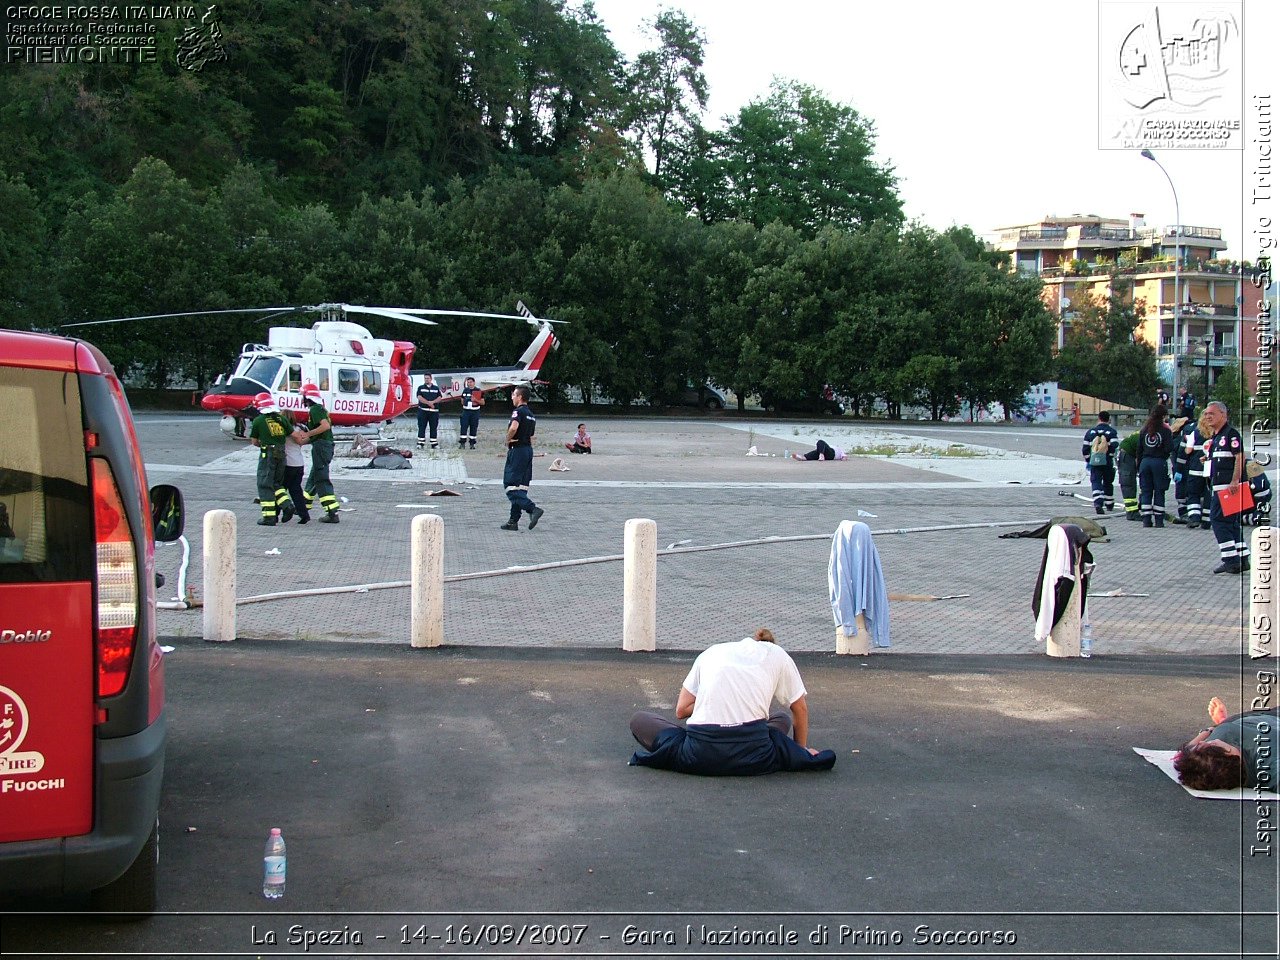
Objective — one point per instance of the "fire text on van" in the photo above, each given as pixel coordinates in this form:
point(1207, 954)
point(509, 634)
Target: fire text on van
point(19, 786)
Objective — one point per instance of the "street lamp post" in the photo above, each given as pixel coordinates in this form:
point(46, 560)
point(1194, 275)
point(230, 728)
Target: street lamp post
point(1177, 266)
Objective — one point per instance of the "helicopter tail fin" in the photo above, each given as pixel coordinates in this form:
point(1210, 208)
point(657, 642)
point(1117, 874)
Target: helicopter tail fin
point(537, 352)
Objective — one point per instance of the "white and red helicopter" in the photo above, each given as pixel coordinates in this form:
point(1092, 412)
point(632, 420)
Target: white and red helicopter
point(364, 380)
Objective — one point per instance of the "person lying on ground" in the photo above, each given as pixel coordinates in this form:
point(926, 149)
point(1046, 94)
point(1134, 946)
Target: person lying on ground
point(823, 451)
point(747, 714)
point(1237, 751)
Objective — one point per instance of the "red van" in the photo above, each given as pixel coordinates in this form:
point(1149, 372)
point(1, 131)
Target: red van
point(82, 731)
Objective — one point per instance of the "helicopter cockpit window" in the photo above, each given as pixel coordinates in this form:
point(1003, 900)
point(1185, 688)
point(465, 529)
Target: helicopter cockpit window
point(372, 382)
point(295, 378)
point(348, 380)
point(322, 378)
point(264, 370)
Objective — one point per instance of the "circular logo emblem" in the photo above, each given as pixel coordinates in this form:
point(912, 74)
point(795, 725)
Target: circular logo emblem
point(13, 720)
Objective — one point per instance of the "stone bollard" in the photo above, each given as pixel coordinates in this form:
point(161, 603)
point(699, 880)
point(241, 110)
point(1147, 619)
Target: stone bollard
point(640, 585)
point(1064, 640)
point(1264, 594)
point(426, 622)
point(220, 576)
point(859, 646)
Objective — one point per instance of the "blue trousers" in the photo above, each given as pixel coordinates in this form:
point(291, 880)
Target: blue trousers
point(1153, 481)
point(517, 474)
point(428, 418)
point(1103, 482)
point(1227, 531)
point(468, 424)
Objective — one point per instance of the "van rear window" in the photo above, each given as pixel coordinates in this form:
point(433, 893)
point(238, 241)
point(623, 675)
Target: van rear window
point(46, 519)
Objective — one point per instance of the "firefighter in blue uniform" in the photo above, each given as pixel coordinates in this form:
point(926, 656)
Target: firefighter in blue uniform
point(469, 423)
point(1187, 404)
point(1181, 429)
point(1226, 470)
point(268, 433)
point(1260, 486)
point(1099, 452)
point(1196, 474)
point(517, 474)
point(1155, 444)
point(428, 416)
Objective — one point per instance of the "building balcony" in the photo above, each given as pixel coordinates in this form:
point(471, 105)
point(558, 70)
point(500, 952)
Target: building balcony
point(1145, 268)
point(1040, 233)
point(1114, 234)
point(1196, 233)
point(1187, 310)
point(1219, 353)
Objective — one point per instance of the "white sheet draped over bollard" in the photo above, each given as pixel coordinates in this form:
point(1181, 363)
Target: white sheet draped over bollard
point(426, 622)
point(220, 576)
point(640, 585)
point(1264, 594)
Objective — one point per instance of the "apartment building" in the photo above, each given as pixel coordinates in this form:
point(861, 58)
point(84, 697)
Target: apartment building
point(1196, 329)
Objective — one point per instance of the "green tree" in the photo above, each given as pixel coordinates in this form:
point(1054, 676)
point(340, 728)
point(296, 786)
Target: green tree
point(1230, 389)
point(624, 275)
point(156, 247)
point(666, 88)
point(1102, 354)
point(799, 158)
point(727, 255)
point(28, 296)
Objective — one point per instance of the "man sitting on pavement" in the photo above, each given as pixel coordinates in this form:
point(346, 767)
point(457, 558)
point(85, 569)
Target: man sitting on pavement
point(734, 727)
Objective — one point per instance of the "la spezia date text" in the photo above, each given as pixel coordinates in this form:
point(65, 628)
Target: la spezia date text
point(691, 935)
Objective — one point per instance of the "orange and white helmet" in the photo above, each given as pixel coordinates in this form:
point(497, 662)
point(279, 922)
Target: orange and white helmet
point(312, 392)
point(265, 403)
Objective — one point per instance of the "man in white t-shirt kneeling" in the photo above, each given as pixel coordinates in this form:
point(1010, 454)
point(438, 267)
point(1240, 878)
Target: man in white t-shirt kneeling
point(746, 711)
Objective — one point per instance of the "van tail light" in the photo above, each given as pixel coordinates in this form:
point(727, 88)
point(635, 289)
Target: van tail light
point(117, 582)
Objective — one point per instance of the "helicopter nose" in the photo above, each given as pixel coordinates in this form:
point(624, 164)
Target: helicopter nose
point(216, 402)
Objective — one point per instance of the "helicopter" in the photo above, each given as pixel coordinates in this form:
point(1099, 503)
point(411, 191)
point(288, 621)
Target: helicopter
point(364, 380)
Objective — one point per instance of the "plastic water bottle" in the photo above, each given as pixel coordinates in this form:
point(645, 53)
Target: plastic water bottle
point(1086, 640)
point(273, 866)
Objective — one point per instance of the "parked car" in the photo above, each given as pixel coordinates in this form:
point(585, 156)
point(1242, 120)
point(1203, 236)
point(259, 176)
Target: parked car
point(702, 395)
point(824, 403)
point(82, 723)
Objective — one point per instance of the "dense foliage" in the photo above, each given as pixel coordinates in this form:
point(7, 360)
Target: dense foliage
point(459, 154)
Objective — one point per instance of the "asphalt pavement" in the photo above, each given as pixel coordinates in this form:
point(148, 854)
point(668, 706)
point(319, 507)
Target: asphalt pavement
point(475, 799)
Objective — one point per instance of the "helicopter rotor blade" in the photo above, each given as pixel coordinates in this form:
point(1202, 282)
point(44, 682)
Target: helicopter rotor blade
point(278, 311)
point(464, 313)
point(395, 313)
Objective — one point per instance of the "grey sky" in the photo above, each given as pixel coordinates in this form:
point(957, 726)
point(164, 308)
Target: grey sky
point(986, 109)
